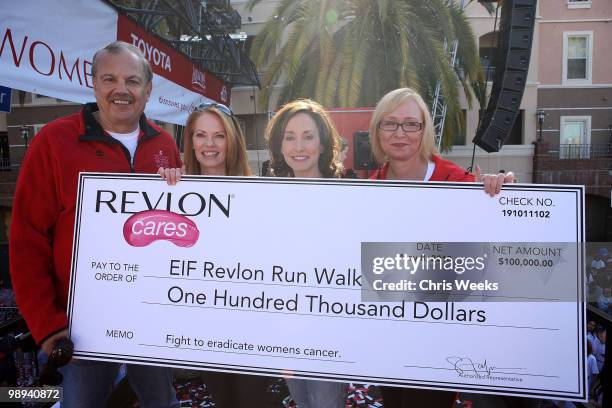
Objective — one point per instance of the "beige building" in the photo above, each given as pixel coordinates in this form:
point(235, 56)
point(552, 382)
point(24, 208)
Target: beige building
point(576, 90)
point(575, 93)
point(516, 155)
point(569, 80)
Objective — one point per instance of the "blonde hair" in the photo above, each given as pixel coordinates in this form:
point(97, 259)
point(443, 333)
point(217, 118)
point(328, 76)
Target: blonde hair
point(388, 104)
point(236, 162)
point(329, 163)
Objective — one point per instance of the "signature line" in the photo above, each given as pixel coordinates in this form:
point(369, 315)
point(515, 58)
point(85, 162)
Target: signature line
point(484, 371)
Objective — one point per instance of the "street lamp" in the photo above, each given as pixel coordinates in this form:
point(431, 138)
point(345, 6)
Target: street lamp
point(25, 133)
point(540, 114)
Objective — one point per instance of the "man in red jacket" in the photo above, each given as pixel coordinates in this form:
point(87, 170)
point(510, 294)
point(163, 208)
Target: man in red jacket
point(111, 135)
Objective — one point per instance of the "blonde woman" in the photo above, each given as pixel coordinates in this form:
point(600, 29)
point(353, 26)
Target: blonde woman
point(403, 141)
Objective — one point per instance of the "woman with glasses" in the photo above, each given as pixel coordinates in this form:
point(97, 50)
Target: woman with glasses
point(303, 143)
point(213, 144)
point(403, 140)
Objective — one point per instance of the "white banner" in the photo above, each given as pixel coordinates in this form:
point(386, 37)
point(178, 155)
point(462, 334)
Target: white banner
point(263, 276)
point(47, 47)
point(170, 102)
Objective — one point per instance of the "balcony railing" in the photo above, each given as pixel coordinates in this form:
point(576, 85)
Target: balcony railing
point(581, 151)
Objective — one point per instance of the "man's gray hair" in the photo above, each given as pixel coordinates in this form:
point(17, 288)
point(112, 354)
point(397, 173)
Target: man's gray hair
point(118, 47)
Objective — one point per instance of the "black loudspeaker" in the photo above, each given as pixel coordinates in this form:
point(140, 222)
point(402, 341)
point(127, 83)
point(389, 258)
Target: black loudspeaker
point(362, 152)
point(511, 66)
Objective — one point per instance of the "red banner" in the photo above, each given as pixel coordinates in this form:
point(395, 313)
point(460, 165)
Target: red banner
point(170, 63)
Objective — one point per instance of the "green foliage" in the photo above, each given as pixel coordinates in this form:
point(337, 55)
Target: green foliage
point(349, 53)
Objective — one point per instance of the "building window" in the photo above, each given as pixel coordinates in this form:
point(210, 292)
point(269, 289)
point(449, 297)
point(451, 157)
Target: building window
point(575, 137)
point(487, 49)
point(578, 4)
point(577, 57)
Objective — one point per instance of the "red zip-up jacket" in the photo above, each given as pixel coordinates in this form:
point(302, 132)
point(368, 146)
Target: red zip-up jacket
point(42, 224)
point(444, 170)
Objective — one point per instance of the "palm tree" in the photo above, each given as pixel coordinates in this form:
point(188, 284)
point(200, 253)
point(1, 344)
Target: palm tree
point(351, 52)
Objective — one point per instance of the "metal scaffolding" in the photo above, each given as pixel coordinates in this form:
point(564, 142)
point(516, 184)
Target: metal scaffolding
point(438, 108)
point(200, 29)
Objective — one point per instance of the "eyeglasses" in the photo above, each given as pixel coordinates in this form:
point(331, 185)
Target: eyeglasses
point(391, 126)
point(59, 357)
point(206, 105)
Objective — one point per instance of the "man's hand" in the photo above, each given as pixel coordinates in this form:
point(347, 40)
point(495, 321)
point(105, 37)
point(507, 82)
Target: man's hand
point(48, 344)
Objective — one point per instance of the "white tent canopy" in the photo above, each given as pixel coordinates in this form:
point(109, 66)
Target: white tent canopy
point(46, 47)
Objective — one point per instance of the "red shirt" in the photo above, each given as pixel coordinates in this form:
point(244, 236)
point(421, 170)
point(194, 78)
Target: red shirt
point(444, 170)
point(42, 224)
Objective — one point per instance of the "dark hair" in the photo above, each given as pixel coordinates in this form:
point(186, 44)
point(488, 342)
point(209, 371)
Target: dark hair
point(119, 47)
point(329, 165)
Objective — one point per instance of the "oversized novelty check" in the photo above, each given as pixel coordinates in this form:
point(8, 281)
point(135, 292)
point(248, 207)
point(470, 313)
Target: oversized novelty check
point(427, 285)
